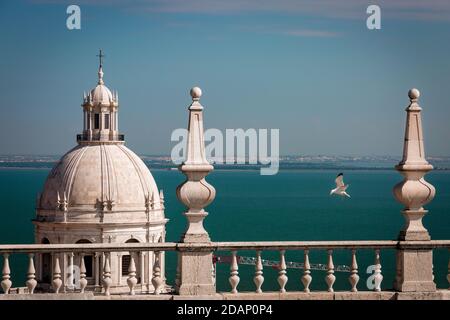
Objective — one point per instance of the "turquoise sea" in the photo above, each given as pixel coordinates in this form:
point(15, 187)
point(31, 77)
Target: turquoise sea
point(292, 205)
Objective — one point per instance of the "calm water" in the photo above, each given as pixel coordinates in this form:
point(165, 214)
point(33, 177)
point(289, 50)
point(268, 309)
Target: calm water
point(293, 205)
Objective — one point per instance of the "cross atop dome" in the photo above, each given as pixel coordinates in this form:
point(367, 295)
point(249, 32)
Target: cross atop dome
point(101, 56)
point(100, 68)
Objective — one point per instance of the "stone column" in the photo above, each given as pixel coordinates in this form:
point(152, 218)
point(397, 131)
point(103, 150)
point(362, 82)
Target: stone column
point(414, 266)
point(113, 120)
point(84, 121)
point(91, 124)
point(117, 123)
point(195, 193)
point(111, 125)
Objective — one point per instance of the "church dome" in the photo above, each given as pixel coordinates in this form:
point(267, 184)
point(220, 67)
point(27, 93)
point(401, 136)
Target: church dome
point(101, 192)
point(100, 178)
point(101, 94)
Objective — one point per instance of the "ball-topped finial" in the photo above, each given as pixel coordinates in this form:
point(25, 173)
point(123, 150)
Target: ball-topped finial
point(196, 93)
point(414, 94)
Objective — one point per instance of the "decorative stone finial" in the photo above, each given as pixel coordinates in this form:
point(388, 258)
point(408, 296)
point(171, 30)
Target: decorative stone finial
point(195, 192)
point(65, 202)
point(58, 201)
point(414, 94)
point(196, 93)
point(100, 75)
point(161, 199)
point(194, 275)
point(414, 192)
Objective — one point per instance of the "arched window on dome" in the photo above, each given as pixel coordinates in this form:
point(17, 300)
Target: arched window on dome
point(46, 264)
point(88, 260)
point(127, 258)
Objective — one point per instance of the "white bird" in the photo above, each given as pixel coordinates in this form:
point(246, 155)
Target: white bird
point(340, 187)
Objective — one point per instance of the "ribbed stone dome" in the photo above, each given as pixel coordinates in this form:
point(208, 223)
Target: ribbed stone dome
point(106, 182)
point(101, 94)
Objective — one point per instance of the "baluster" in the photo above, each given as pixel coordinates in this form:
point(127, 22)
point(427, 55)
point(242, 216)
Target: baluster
point(354, 277)
point(258, 279)
point(107, 274)
point(132, 281)
point(282, 278)
point(57, 282)
point(31, 282)
point(71, 280)
point(234, 274)
point(6, 283)
point(157, 280)
point(83, 281)
point(378, 277)
point(306, 279)
point(330, 278)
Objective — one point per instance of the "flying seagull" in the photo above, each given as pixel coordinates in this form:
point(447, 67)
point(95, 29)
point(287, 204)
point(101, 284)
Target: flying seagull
point(340, 187)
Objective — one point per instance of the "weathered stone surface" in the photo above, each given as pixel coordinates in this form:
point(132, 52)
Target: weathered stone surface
point(279, 296)
point(421, 296)
point(244, 296)
point(364, 295)
point(414, 271)
point(135, 297)
point(196, 274)
point(216, 296)
point(50, 296)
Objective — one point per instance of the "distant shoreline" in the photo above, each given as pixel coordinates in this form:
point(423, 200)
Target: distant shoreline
point(239, 169)
point(286, 163)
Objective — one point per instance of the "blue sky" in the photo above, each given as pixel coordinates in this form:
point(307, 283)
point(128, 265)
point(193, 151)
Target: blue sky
point(310, 68)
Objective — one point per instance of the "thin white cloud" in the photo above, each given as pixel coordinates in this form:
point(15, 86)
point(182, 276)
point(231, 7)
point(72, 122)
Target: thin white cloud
point(291, 32)
point(310, 33)
point(435, 10)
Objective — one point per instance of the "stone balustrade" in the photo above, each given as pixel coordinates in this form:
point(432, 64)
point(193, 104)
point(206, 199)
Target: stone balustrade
point(414, 276)
point(233, 248)
point(306, 247)
point(97, 250)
